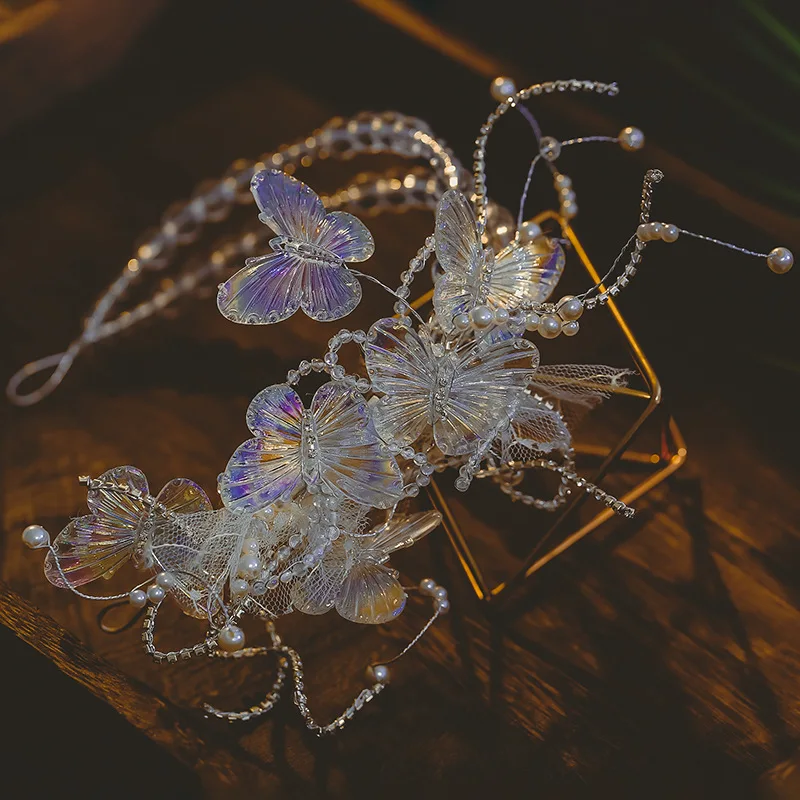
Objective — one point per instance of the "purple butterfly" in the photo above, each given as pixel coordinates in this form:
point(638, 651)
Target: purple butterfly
point(306, 268)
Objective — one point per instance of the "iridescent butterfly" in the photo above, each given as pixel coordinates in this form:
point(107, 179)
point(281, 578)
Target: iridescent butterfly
point(462, 393)
point(354, 577)
point(306, 268)
point(98, 544)
point(519, 275)
point(332, 444)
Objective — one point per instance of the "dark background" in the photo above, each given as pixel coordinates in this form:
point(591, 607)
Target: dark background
point(114, 114)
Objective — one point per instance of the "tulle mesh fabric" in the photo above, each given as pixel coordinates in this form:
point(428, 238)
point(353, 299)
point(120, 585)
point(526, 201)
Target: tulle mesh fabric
point(200, 551)
point(578, 388)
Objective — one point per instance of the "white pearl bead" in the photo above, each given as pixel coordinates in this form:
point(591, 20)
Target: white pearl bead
point(442, 606)
point(250, 547)
point(427, 585)
point(35, 537)
point(670, 233)
point(482, 316)
point(461, 322)
point(249, 566)
point(532, 320)
point(501, 316)
point(137, 598)
point(239, 586)
point(780, 260)
point(440, 593)
point(529, 231)
point(267, 514)
point(656, 230)
point(549, 148)
point(231, 638)
point(155, 594)
point(378, 673)
point(631, 138)
point(165, 580)
point(570, 328)
point(643, 232)
point(549, 326)
point(570, 308)
point(502, 88)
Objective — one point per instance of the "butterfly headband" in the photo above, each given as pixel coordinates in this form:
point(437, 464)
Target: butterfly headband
point(321, 495)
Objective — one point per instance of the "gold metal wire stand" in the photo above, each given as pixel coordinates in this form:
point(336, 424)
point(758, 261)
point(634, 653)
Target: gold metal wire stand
point(671, 457)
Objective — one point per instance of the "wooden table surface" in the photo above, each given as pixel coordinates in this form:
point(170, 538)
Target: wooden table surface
point(659, 659)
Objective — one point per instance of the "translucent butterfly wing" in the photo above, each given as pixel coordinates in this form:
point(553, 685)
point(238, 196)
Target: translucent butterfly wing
point(182, 496)
point(460, 255)
point(344, 235)
point(268, 466)
point(400, 364)
point(287, 205)
point(371, 594)
point(400, 532)
point(329, 290)
point(98, 544)
point(294, 210)
point(269, 289)
point(487, 383)
point(87, 550)
point(525, 273)
point(454, 293)
point(351, 457)
point(458, 245)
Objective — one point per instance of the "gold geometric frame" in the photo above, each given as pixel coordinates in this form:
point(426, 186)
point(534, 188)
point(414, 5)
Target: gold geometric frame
point(664, 463)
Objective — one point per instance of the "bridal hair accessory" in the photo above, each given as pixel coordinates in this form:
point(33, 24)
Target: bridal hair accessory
point(321, 496)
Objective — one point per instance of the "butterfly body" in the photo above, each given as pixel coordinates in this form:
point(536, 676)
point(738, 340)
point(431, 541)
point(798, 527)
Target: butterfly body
point(305, 250)
point(439, 395)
